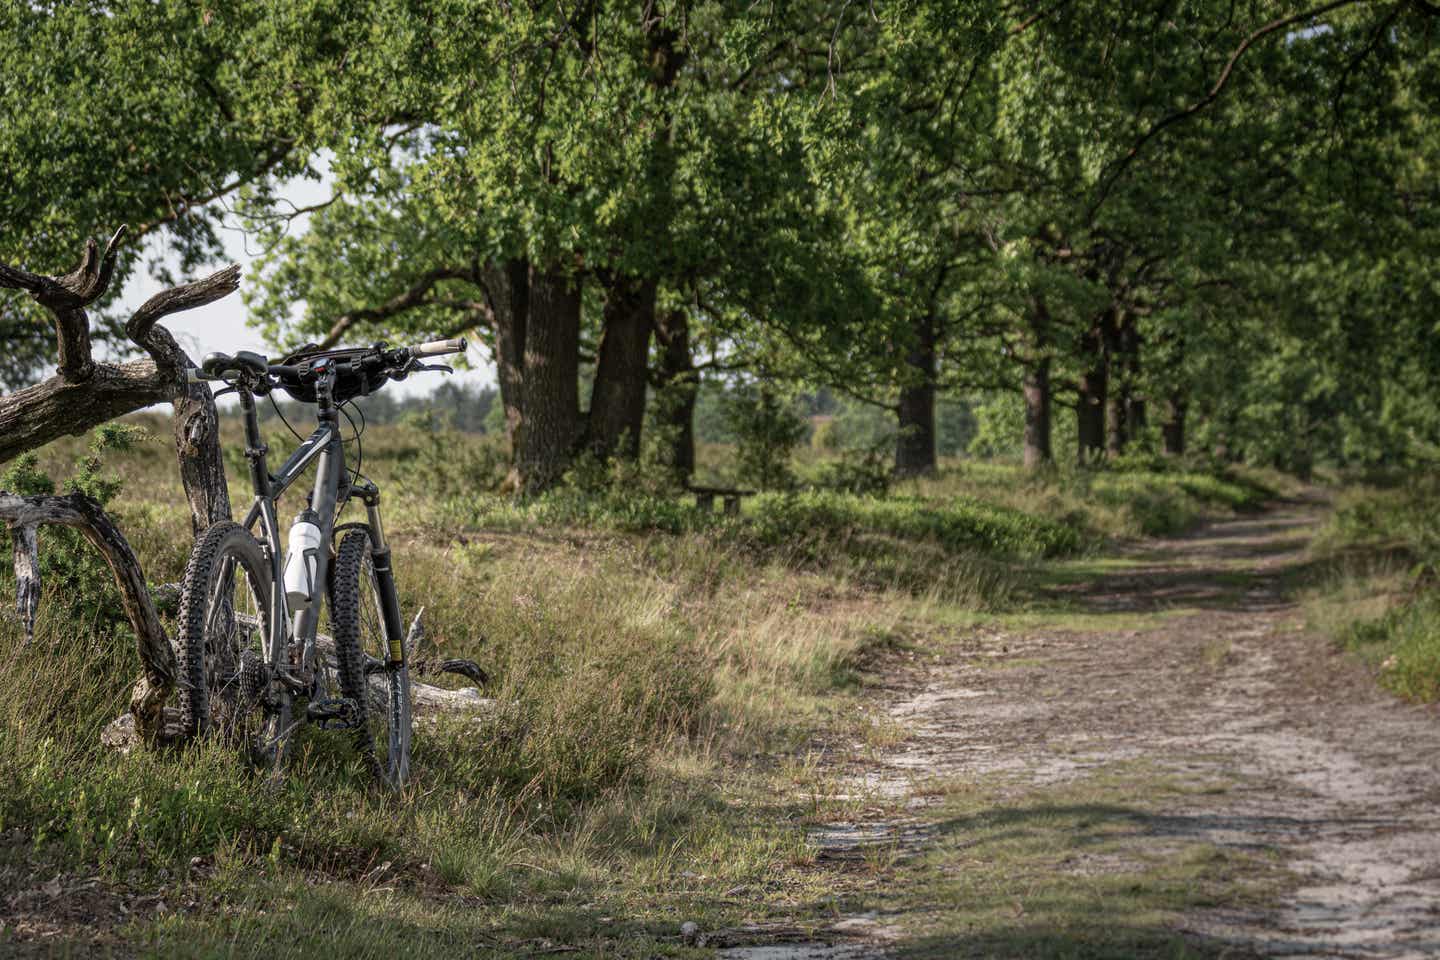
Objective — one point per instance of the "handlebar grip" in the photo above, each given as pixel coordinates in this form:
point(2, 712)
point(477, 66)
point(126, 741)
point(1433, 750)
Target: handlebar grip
point(438, 348)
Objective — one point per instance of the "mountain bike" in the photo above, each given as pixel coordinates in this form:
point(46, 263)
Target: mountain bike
point(249, 650)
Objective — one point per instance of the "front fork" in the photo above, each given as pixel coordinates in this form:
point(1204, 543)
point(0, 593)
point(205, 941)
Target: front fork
point(384, 581)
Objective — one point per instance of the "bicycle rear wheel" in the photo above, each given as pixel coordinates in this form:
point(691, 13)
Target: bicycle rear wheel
point(382, 692)
point(226, 687)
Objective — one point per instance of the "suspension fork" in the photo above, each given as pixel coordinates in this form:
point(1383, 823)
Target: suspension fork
point(384, 578)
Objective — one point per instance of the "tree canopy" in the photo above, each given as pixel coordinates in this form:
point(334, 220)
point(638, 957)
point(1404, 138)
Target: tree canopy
point(1161, 225)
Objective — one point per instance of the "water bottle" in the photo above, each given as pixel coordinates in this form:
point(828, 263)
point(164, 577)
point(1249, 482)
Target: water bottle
point(302, 560)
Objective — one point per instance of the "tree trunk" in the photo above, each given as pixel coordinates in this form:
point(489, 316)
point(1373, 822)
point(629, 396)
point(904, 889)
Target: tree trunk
point(550, 425)
point(1090, 399)
point(622, 364)
point(1135, 411)
point(1118, 398)
point(1036, 388)
point(84, 394)
point(915, 442)
point(1038, 452)
point(507, 288)
point(675, 409)
point(1172, 430)
point(197, 447)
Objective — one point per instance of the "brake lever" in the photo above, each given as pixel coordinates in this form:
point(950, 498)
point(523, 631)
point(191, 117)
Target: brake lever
point(421, 367)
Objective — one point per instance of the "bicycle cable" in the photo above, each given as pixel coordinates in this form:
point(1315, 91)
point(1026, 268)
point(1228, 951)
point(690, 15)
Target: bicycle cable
point(276, 406)
point(355, 434)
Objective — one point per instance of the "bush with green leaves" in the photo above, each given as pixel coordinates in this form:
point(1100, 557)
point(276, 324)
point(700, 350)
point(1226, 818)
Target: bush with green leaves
point(441, 463)
point(768, 429)
point(864, 471)
point(958, 524)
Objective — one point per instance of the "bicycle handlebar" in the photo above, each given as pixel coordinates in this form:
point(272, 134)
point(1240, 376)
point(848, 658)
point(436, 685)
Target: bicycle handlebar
point(395, 363)
point(438, 348)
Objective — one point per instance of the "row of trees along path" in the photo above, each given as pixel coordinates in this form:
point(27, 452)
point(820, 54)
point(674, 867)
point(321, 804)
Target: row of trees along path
point(1172, 219)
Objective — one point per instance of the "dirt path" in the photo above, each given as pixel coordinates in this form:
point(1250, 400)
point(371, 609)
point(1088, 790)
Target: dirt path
point(1189, 657)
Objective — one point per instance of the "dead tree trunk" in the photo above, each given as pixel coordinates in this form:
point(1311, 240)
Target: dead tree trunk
point(85, 393)
point(157, 659)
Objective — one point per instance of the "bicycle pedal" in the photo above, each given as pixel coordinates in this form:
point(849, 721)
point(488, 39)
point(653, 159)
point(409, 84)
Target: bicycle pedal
point(340, 713)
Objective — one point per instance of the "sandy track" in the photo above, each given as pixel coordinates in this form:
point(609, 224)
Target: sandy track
point(1209, 672)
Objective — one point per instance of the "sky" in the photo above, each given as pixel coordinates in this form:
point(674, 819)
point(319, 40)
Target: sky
point(224, 325)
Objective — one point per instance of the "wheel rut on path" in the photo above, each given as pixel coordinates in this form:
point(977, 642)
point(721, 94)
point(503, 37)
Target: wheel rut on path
point(1207, 673)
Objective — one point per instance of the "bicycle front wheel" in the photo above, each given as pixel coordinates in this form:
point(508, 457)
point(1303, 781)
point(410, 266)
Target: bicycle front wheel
point(382, 691)
point(225, 684)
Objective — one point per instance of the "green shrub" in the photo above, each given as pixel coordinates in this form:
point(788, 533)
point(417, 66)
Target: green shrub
point(768, 429)
point(961, 524)
point(863, 471)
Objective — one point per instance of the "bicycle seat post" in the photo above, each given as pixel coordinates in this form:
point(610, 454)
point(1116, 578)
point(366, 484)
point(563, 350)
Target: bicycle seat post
point(255, 446)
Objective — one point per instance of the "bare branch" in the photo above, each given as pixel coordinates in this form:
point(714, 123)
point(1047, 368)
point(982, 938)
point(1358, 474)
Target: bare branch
point(185, 297)
point(13, 278)
point(87, 282)
point(411, 298)
point(66, 297)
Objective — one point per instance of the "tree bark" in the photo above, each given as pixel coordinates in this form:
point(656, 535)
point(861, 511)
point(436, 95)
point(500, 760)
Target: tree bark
point(679, 387)
point(550, 426)
point(915, 414)
point(1172, 429)
point(1135, 410)
point(1036, 388)
point(507, 289)
point(33, 416)
point(1090, 398)
point(617, 397)
point(1117, 401)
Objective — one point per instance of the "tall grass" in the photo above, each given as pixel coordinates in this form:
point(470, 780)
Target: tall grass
point(1380, 592)
point(640, 649)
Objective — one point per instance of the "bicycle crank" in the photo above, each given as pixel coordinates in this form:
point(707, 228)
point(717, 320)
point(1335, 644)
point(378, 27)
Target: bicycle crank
point(338, 713)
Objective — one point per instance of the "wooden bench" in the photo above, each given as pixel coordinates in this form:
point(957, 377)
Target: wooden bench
point(705, 498)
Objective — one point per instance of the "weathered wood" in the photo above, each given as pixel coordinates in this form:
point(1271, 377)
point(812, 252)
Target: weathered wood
point(84, 394)
point(66, 297)
point(27, 576)
point(58, 407)
point(157, 659)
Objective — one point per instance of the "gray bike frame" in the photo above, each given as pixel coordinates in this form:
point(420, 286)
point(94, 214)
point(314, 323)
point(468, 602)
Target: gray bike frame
point(331, 491)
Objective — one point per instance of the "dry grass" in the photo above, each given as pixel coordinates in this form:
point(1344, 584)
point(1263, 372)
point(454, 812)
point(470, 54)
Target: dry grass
point(659, 676)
